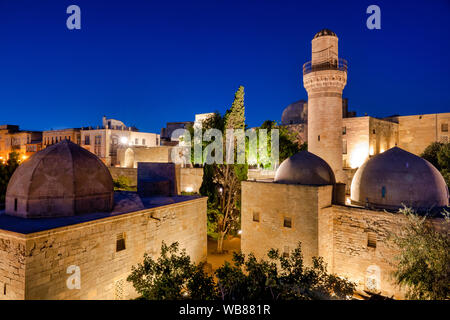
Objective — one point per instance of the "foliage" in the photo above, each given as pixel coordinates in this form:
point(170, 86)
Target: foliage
point(287, 143)
point(171, 277)
point(430, 153)
point(424, 258)
point(439, 155)
point(279, 278)
point(222, 182)
point(6, 171)
point(123, 183)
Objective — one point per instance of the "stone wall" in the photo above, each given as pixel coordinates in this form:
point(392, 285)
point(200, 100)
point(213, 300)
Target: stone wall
point(12, 266)
point(354, 258)
point(418, 131)
point(130, 173)
point(35, 265)
point(259, 174)
point(191, 179)
point(272, 202)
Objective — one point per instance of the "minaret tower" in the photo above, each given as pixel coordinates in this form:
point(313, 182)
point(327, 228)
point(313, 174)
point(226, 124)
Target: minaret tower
point(324, 78)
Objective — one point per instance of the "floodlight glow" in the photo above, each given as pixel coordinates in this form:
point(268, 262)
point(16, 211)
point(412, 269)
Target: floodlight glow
point(124, 140)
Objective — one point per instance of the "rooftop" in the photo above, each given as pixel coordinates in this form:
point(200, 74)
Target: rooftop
point(125, 202)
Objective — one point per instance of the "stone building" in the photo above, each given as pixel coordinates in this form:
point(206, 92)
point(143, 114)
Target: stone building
point(63, 220)
point(50, 137)
point(305, 202)
point(302, 204)
point(105, 141)
point(23, 142)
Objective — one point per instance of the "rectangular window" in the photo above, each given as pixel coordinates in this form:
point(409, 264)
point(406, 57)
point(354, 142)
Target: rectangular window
point(373, 131)
point(318, 138)
point(344, 146)
point(136, 141)
point(344, 130)
point(120, 242)
point(444, 127)
point(143, 142)
point(371, 240)
point(287, 222)
point(256, 216)
point(87, 140)
point(15, 204)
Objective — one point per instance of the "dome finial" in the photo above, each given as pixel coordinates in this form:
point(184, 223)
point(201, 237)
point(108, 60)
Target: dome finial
point(325, 32)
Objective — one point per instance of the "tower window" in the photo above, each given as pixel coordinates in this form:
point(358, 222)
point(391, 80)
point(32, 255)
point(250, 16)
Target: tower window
point(287, 223)
point(444, 127)
point(120, 242)
point(371, 240)
point(318, 138)
point(344, 146)
point(373, 131)
point(344, 130)
point(256, 216)
point(15, 204)
point(383, 191)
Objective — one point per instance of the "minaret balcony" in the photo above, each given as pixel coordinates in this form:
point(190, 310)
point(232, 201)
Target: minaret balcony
point(335, 64)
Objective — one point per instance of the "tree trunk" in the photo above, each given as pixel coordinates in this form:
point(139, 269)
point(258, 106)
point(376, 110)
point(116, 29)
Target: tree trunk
point(220, 242)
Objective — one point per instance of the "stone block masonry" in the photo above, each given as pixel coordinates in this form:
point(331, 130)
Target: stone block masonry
point(34, 265)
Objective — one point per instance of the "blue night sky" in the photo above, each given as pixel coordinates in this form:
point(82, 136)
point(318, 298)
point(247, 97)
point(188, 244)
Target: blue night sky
point(151, 62)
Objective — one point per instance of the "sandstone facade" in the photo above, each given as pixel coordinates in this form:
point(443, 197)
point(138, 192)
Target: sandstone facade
point(34, 265)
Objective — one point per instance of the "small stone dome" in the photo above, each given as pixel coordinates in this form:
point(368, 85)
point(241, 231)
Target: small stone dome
point(295, 113)
point(305, 168)
point(325, 32)
point(61, 180)
point(397, 177)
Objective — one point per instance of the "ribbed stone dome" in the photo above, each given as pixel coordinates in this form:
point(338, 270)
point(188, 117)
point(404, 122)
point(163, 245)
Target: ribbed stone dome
point(325, 32)
point(295, 113)
point(305, 168)
point(397, 177)
point(61, 180)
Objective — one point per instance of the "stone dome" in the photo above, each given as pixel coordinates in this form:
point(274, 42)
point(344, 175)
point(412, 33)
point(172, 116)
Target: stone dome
point(305, 168)
point(397, 177)
point(325, 32)
point(295, 113)
point(61, 180)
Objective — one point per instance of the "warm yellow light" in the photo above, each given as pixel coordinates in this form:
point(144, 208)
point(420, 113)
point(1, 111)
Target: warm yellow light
point(189, 189)
point(24, 157)
point(371, 151)
point(359, 155)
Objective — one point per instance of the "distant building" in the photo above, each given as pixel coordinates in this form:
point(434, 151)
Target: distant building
point(23, 142)
point(50, 137)
point(104, 141)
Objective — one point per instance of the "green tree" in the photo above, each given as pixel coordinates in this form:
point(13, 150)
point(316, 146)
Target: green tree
point(430, 153)
point(6, 171)
point(222, 182)
point(438, 154)
point(287, 143)
point(424, 260)
point(171, 277)
point(443, 157)
point(279, 278)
